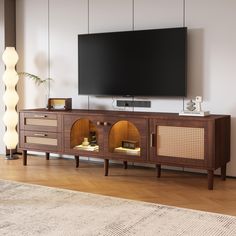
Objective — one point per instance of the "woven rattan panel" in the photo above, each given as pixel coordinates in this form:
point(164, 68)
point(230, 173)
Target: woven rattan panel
point(41, 122)
point(43, 141)
point(183, 142)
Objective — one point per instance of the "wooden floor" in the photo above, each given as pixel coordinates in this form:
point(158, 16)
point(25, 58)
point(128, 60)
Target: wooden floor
point(139, 183)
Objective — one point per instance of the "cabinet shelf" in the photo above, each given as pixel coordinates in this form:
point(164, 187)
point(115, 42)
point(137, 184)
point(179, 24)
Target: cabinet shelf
point(128, 151)
point(87, 148)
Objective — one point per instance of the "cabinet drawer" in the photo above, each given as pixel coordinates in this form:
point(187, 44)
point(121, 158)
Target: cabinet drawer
point(45, 141)
point(40, 121)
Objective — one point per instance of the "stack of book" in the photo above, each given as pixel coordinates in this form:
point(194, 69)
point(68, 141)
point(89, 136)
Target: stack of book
point(128, 151)
point(87, 148)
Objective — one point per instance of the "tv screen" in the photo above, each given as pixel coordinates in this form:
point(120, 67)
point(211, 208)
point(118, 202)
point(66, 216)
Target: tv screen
point(133, 63)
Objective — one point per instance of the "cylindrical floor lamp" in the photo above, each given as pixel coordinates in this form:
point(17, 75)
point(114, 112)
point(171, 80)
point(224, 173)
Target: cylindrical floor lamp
point(10, 98)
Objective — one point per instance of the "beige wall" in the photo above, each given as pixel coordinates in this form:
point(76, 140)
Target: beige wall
point(212, 48)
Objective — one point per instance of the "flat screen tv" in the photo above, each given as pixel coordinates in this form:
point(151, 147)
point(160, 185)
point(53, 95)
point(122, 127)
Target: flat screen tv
point(133, 63)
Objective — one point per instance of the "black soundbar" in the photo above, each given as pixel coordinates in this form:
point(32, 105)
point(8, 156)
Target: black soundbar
point(127, 103)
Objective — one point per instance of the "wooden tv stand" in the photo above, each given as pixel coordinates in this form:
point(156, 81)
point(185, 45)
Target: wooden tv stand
point(156, 138)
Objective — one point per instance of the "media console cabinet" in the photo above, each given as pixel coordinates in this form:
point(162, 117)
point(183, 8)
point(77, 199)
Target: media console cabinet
point(156, 138)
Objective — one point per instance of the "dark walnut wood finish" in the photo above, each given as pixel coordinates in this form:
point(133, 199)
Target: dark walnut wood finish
point(163, 138)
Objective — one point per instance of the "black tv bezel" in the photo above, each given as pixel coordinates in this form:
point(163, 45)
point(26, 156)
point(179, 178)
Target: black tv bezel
point(135, 95)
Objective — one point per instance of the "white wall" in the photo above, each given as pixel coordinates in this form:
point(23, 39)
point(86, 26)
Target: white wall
point(66, 22)
point(212, 59)
point(32, 47)
point(211, 46)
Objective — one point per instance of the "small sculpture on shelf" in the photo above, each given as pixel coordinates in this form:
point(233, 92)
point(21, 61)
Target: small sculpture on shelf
point(198, 102)
point(85, 142)
point(86, 145)
point(93, 138)
point(193, 108)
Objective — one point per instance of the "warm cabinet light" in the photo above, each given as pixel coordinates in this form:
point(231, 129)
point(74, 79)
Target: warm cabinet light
point(10, 98)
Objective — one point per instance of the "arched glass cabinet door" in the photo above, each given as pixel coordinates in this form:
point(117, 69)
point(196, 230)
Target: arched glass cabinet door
point(124, 138)
point(84, 136)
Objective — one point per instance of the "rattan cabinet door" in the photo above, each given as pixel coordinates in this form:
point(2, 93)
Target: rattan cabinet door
point(179, 143)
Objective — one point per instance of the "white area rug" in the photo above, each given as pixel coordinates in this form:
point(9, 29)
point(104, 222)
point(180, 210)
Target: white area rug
point(36, 210)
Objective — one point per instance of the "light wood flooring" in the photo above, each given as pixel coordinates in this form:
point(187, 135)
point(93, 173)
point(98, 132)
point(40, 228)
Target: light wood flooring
point(174, 188)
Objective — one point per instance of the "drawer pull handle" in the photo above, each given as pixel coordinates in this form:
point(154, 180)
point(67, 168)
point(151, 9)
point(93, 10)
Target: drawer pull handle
point(151, 139)
point(41, 135)
point(40, 116)
point(99, 123)
point(105, 123)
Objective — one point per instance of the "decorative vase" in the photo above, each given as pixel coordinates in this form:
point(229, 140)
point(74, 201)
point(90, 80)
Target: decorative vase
point(85, 142)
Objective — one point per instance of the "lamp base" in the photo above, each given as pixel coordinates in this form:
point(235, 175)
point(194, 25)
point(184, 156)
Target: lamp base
point(11, 156)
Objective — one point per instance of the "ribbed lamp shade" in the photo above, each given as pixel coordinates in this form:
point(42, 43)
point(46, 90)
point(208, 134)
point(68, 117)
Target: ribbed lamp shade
point(10, 97)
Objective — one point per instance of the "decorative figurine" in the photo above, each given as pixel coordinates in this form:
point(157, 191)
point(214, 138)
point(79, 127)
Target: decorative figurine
point(193, 108)
point(93, 138)
point(85, 142)
point(191, 105)
point(198, 102)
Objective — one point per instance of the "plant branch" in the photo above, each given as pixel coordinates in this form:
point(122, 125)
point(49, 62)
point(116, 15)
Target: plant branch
point(35, 78)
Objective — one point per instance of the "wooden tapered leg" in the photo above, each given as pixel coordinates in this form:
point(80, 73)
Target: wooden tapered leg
point(47, 155)
point(106, 166)
point(24, 157)
point(158, 169)
point(77, 161)
point(223, 172)
point(210, 179)
point(125, 164)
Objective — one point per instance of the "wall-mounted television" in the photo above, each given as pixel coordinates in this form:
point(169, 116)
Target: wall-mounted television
point(133, 63)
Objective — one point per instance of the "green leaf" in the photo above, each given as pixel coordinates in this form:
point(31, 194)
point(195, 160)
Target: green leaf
point(35, 78)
